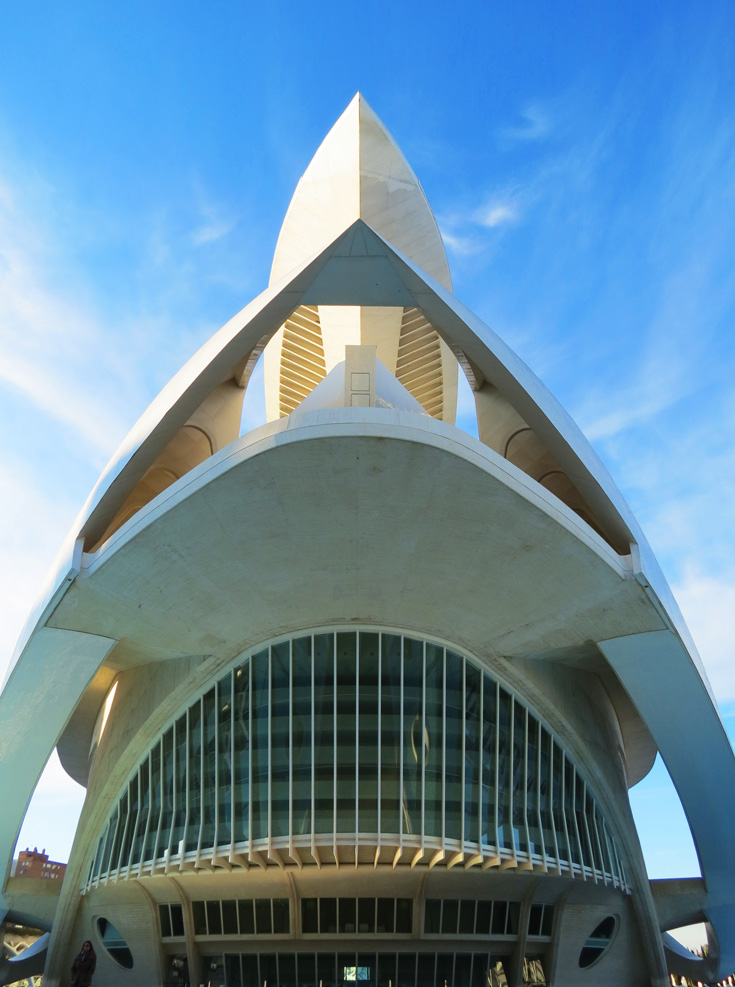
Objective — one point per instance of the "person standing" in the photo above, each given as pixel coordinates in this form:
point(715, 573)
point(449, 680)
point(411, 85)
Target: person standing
point(83, 966)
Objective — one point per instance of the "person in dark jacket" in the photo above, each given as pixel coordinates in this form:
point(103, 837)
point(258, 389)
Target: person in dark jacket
point(83, 966)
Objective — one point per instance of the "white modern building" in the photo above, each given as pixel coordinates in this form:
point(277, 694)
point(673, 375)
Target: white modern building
point(357, 696)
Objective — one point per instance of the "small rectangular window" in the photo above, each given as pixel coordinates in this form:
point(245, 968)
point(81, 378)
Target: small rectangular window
point(466, 918)
point(309, 916)
point(229, 918)
point(347, 915)
point(177, 920)
point(386, 916)
point(404, 916)
point(482, 918)
point(535, 917)
point(327, 915)
point(432, 916)
point(214, 919)
point(500, 917)
point(165, 918)
point(548, 920)
point(366, 915)
point(307, 967)
point(450, 915)
point(281, 924)
point(514, 912)
point(245, 914)
point(200, 918)
point(263, 919)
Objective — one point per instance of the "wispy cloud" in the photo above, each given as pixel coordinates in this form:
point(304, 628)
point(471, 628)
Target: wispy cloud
point(52, 335)
point(465, 231)
point(213, 230)
point(536, 123)
point(214, 223)
point(457, 243)
point(498, 213)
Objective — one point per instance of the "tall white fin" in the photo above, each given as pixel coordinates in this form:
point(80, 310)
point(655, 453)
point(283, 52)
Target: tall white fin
point(359, 172)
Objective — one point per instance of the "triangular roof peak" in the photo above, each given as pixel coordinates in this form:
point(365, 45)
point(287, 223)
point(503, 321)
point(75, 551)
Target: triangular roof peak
point(359, 172)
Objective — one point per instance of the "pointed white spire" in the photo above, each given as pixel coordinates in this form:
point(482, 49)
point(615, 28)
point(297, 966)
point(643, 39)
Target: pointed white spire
point(359, 172)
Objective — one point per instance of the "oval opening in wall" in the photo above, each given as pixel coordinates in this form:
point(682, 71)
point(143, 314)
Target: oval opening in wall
point(114, 943)
point(602, 935)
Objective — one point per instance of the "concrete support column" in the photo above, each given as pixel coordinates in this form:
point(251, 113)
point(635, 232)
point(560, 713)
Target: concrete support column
point(514, 973)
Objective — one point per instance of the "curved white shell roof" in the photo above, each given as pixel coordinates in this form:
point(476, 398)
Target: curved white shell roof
point(357, 260)
point(359, 172)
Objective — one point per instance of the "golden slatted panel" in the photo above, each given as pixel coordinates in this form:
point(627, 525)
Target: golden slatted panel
point(419, 365)
point(302, 358)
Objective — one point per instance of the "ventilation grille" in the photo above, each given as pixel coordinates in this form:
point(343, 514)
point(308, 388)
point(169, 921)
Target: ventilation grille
point(419, 365)
point(302, 358)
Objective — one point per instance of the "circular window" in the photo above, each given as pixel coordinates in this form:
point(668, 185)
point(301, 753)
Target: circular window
point(602, 935)
point(114, 943)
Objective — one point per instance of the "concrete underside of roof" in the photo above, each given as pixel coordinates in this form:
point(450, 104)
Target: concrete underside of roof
point(357, 516)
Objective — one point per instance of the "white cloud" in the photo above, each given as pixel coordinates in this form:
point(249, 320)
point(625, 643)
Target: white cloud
point(536, 123)
point(498, 214)
point(213, 227)
point(52, 338)
point(458, 243)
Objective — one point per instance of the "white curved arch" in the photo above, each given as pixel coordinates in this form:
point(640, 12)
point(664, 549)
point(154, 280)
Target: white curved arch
point(360, 267)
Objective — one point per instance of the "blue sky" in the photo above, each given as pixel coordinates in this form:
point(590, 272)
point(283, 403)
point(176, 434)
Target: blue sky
point(580, 159)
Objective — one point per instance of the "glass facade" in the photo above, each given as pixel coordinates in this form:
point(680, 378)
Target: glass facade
point(356, 916)
point(359, 738)
point(345, 969)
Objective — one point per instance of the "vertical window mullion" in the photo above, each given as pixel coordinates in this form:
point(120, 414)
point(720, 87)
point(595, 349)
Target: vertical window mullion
point(575, 780)
point(591, 830)
point(444, 749)
point(380, 737)
point(563, 775)
point(250, 755)
point(118, 861)
point(136, 829)
point(154, 856)
point(402, 808)
point(358, 638)
point(186, 789)
point(111, 830)
point(270, 746)
point(496, 779)
point(604, 862)
point(621, 872)
point(511, 773)
point(290, 745)
point(525, 782)
point(313, 718)
point(334, 744)
point(202, 773)
point(423, 748)
point(552, 803)
point(539, 820)
point(480, 759)
point(233, 789)
point(217, 711)
point(462, 754)
point(148, 816)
